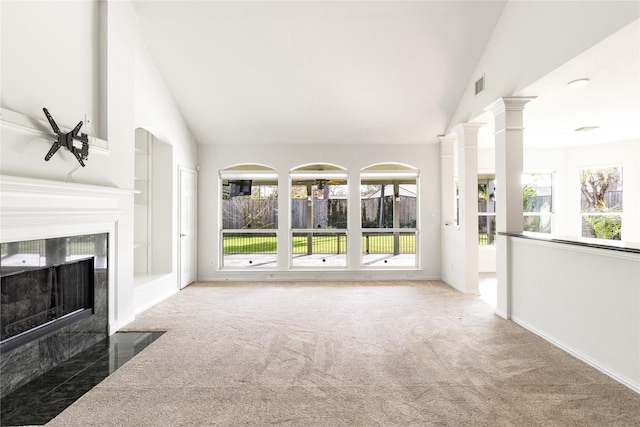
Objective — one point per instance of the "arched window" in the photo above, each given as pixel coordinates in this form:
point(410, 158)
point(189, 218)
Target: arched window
point(249, 215)
point(389, 215)
point(319, 206)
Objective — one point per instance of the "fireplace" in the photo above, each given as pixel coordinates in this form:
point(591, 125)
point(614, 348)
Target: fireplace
point(54, 303)
point(48, 223)
point(38, 301)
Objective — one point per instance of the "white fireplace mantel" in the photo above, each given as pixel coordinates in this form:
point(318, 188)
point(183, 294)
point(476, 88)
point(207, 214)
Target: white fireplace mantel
point(32, 209)
point(28, 202)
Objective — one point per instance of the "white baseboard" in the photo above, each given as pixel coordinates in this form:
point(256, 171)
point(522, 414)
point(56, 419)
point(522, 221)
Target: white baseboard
point(150, 292)
point(577, 354)
point(117, 325)
point(316, 276)
point(504, 315)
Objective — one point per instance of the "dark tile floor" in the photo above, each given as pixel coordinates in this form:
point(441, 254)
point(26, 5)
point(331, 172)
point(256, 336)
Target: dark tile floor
point(39, 401)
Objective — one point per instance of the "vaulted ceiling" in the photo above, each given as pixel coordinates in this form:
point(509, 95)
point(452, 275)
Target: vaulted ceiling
point(317, 72)
point(363, 72)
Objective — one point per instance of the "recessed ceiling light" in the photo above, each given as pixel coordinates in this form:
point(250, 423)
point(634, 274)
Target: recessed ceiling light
point(578, 83)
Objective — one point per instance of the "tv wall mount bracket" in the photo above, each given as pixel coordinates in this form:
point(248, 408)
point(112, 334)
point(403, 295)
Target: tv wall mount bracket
point(66, 140)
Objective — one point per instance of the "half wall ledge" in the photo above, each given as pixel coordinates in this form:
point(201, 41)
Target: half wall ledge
point(613, 245)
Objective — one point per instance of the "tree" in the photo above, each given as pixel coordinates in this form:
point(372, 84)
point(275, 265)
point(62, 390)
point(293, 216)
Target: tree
point(594, 186)
point(594, 183)
point(337, 190)
point(368, 190)
point(299, 192)
point(528, 192)
point(482, 191)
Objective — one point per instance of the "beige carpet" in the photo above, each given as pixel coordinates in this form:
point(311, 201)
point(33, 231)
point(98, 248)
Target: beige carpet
point(346, 354)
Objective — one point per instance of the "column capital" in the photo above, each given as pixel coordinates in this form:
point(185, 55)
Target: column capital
point(446, 144)
point(467, 127)
point(468, 133)
point(509, 103)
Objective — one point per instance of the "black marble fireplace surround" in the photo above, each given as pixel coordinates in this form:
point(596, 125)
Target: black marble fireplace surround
point(54, 304)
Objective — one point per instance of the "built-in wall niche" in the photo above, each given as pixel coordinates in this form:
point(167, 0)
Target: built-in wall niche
point(54, 303)
point(153, 212)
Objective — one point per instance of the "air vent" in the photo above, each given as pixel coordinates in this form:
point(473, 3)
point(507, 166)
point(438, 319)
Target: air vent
point(480, 85)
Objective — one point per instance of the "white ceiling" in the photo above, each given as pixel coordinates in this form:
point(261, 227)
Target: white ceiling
point(317, 72)
point(610, 102)
point(366, 72)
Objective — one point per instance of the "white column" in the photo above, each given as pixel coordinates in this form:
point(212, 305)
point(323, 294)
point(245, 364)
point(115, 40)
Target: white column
point(284, 221)
point(447, 185)
point(468, 181)
point(354, 238)
point(508, 116)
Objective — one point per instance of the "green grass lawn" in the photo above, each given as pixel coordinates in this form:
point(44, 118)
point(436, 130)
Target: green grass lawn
point(321, 244)
point(483, 239)
point(250, 244)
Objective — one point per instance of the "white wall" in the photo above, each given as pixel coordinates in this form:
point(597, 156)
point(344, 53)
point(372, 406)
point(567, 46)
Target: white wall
point(451, 250)
point(45, 64)
point(487, 259)
point(156, 110)
point(48, 64)
point(530, 40)
point(585, 300)
point(283, 158)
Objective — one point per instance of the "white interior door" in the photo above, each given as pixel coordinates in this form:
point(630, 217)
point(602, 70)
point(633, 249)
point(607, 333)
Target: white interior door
point(188, 226)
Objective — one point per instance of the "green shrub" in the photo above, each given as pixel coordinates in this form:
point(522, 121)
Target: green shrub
point(605, 227)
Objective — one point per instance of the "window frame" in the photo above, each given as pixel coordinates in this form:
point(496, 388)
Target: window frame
point(260, 176)
point(403, 176)
point(541, 214)
point(318, 175)
point(489, 215)
point(610, 211)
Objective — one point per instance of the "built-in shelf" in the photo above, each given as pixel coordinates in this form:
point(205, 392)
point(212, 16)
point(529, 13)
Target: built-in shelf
point(153, 201)
point(142, 202)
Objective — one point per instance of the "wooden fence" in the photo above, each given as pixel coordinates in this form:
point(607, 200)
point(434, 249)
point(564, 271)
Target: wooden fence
point(613, 200)
point(246, 213)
